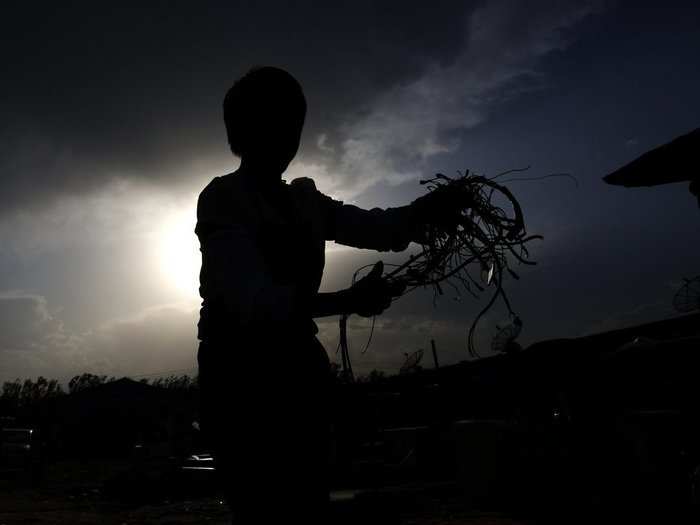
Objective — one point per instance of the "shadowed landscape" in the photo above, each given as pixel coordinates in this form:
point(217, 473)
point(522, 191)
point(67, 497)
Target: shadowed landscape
point(565, 430)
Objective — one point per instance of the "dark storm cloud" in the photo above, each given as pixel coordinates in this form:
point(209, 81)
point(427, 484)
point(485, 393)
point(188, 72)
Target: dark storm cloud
point(411, 122)
point(25, 320)
point(34, 341)
point(91, 92)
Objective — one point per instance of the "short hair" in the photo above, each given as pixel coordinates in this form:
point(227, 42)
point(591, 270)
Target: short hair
point(261, 97)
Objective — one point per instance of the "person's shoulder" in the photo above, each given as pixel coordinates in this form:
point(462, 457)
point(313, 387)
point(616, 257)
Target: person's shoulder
point(222, 205)
point(303, 184)
point(221, 200)
point(220, 184)
point(312, 203)
point(221, 190)
point(305, 188)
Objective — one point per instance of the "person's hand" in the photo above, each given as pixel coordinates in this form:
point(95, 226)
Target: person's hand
point(373, 294)
point(439, 210)
point(441, 207)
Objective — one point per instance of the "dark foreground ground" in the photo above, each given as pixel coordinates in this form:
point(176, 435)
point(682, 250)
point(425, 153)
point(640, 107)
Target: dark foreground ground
point(82, 493)
point(559, 433)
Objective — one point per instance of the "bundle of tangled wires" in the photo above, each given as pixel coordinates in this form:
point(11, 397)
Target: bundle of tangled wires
point(471, 252)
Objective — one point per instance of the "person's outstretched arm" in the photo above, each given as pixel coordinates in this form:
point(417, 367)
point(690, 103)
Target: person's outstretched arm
point(390, 229)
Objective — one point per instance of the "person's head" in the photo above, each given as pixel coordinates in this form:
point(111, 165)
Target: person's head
point(264, 113)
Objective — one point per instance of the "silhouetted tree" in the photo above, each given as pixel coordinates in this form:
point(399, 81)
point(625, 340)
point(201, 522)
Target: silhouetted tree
point(11, 389)
point(173, 382)
point(10, 397)
point(373, 377)
point(86, 380)
point(19, 394)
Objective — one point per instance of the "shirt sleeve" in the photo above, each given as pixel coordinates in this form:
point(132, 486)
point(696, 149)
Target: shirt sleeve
point(376, 229)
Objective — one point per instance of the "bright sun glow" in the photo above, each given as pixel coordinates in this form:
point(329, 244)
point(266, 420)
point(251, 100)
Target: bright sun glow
point(179, 252)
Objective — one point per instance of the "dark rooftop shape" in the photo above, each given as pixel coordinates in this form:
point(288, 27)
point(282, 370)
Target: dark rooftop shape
point(675, 161)
point(117, 387)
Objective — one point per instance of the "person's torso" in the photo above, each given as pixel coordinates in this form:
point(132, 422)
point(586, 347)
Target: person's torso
point(285, 224)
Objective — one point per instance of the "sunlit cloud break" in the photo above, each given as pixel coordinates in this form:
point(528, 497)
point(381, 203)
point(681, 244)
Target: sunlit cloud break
point(404, 126)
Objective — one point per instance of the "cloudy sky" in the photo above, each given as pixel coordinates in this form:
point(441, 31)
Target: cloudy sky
point(111, 125)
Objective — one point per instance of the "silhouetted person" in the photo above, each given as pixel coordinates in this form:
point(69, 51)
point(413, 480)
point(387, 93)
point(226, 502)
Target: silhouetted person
point(264, 376)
